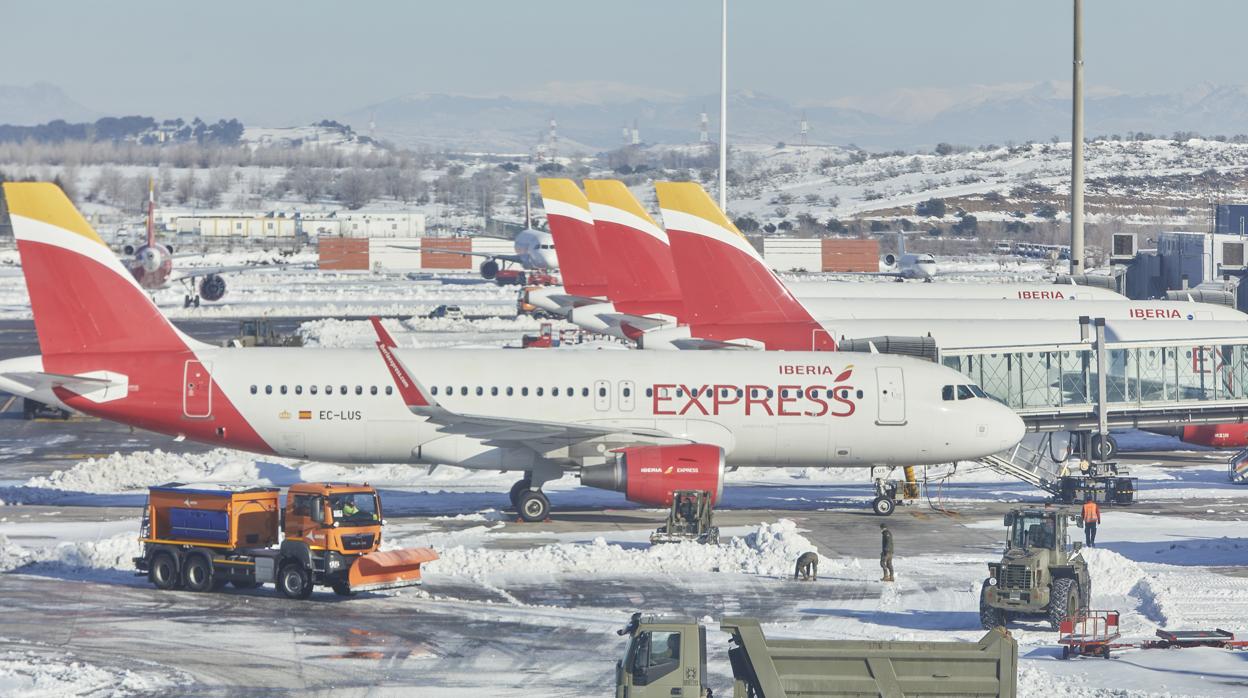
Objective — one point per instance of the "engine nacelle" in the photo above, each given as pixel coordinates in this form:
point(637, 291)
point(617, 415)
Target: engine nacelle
point(212, 288)
point(890, 260)
point(650, 474)
point(1216, 435)
point(488, 269)
point(128, 249)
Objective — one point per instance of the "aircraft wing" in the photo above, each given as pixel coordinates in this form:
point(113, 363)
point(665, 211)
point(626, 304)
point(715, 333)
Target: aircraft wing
point(496, 431)
point(197, 272)
point(515, 258)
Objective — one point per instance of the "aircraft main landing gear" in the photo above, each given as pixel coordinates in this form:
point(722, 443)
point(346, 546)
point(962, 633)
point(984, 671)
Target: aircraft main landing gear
point(531, 504)
point(190, 301)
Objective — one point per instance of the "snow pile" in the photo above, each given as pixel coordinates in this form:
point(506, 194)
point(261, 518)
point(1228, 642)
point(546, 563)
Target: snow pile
point(769, 550)
point(112, 553)
point(1111, 573)
point(31, 673)
point(141, 469)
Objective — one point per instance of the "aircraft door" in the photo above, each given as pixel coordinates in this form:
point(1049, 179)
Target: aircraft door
point(891, 395)
point(196, 390)
point(628, 392)
point(602, 395)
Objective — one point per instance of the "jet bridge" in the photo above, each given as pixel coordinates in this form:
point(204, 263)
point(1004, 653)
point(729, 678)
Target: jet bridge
point(1096, 385)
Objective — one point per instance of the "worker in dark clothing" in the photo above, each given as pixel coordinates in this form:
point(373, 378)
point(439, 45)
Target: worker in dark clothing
point(687, 510)
point(886, 553)
point(1091, 518)
point(807, 567)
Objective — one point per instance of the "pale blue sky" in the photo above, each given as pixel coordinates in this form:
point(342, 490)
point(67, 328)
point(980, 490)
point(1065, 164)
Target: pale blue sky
point(275, 61)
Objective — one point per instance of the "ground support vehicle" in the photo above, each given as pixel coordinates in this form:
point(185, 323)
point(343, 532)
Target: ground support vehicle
point(1104, 482)
point(1089, 633)
point(689, 518)
point(448, 312)
point(1041, 574)
point(260, 333)
point(1095, 634)
point(328, 534)
point(666, 657)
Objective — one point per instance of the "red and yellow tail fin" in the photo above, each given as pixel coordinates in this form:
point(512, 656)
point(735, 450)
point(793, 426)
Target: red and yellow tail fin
point(641, 275)
point(82, 298)
point(572, 227)
point(723, 279)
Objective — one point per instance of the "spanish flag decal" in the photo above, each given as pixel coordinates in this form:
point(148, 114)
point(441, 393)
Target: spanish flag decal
point(305, 414)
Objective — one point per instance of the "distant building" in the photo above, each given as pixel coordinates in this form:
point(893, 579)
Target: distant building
point(1232, 219)
point(354, 224)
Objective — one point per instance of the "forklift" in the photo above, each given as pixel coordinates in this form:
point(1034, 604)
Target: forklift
point(688, 518)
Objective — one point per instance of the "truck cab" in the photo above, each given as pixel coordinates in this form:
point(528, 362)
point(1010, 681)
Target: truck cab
point(666, 656)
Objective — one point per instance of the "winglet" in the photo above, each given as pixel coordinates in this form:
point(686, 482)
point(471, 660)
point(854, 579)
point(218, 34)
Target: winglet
point(413, 394)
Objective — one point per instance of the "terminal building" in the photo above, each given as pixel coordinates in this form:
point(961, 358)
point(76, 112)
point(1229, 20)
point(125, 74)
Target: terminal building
point(1205, 266)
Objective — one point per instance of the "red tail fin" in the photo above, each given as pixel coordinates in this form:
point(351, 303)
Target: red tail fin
point(723, 279)
point(641, 276)
point(82, 298)
point(572, 227)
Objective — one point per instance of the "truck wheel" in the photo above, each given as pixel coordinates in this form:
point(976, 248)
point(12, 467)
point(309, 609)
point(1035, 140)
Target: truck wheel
point(343, 589)
point(163, 572)
point(294, 581)
point(197, 575)
point(989, 617)
point(533, 506)
point(883, 506)
point(1063, 601)
point(1107, 449)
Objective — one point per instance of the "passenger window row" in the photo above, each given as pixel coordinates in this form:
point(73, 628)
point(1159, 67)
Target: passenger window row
point(329, 390)
point(754, 392)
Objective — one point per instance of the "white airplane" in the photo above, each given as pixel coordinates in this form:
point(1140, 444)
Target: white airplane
point(908, 265)
point(732, 285)
point(638, 422)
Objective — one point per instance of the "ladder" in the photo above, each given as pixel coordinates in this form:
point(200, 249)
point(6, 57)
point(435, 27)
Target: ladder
point(1031, 465)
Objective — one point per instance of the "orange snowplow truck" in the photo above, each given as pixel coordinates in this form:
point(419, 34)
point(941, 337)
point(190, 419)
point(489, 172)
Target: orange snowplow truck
point(328, 534)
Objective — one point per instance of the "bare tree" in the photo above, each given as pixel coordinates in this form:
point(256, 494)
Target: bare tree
point(354, 188)
point(185, 189)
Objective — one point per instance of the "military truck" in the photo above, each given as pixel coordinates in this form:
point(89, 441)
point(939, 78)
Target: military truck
point(666, 657)
point(1041, 574)
point(689, 518)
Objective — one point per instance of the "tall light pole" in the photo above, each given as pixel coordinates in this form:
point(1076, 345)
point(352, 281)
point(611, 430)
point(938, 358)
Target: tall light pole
point(1076, 150)
point(723, 106)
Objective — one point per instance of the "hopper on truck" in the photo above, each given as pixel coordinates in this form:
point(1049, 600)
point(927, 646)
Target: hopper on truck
point(327, 534)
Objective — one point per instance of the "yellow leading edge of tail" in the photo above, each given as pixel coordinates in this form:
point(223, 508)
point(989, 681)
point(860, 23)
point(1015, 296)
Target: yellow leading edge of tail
point(692, 199)
point(612, 192)
point(45, 202)
point(563, 190)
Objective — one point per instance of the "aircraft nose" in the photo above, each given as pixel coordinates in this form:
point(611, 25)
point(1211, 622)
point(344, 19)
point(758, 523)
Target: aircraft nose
point(1005, 426)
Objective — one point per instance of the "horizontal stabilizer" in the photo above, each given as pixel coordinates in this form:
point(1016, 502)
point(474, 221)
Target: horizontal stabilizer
point(641, 323)
point(97, 386)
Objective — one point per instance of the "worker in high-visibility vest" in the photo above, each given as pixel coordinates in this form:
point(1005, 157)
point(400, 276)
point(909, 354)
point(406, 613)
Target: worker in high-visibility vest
point(1091, 517)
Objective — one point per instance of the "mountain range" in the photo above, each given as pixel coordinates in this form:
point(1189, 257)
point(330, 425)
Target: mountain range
point(593, 117)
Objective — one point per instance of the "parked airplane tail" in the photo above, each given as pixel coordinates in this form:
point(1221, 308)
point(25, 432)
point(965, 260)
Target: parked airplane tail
point(641, 275)
point(724, 280)
point(82, 298)
point(572, 227)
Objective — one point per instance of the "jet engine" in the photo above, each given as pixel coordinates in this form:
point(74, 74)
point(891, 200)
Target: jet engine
point(1215, 435)
point(488, 269)
point(890, 260)
point(128, 249)
point(212, 288)
point(649, 474)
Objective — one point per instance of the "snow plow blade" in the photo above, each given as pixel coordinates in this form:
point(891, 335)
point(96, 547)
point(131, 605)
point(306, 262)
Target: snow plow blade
point(389, 569)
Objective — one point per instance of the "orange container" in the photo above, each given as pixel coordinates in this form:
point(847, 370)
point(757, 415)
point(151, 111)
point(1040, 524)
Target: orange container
point(214, 518)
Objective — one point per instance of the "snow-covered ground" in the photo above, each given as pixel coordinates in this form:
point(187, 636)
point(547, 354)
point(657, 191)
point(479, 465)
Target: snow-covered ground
point(33, 671)
point(1158, 570)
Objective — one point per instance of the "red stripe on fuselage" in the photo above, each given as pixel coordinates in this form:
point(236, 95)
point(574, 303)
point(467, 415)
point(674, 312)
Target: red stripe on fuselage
point(155, 400)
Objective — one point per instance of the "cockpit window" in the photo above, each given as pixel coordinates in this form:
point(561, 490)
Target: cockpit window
point(978, 391)
point(946, 393)
point(964, 392)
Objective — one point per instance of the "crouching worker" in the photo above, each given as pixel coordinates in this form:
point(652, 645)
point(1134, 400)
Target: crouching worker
point(807, 567)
